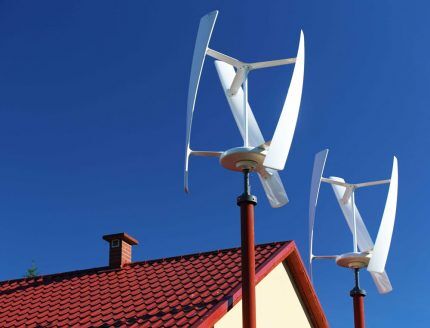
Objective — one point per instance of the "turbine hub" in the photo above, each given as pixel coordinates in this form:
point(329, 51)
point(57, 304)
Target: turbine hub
point(240, 158)
point(354, 260)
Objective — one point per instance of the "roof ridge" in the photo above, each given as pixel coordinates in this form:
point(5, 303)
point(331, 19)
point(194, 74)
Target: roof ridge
point(107, 268)
point(222, 250)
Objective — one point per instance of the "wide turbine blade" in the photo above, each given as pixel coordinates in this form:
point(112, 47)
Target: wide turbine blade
point(204, 33)
point(319, 163)
point(283, 136)
point(274, 188)
point(382, 282)
point(383, 240)
point(364, 241)
point(226, 75)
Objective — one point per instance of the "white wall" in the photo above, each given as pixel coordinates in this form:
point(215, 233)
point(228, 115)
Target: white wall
point(278, 304)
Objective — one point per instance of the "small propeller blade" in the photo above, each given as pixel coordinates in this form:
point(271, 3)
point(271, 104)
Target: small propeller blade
point(274, 189)
point(319, 163)
point(226, 75)
point(382, 282)
point(383, 240)
point(204, 33)
point(283, 136)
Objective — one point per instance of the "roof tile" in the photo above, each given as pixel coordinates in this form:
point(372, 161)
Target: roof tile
point(174, 292)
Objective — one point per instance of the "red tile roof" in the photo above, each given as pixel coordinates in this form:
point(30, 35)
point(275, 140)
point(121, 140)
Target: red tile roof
point(185, 291)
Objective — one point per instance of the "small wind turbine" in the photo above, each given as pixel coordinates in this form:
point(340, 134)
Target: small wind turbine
point(256, 155)
point(365, 253)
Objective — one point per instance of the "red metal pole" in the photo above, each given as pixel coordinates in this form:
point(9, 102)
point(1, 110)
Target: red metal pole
point(358, 295)
point(247, 202)
point(358, 300)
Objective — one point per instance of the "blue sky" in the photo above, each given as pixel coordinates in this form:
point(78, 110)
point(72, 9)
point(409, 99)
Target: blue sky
point(92, 129)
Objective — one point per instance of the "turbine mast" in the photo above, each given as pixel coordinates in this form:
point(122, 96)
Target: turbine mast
point(358, 295)
point(246, 202)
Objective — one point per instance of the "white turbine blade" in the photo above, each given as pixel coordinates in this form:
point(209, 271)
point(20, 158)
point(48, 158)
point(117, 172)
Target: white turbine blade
point(364, 241)
point(383, 240)
point(226, 74)
point(272, 63)
point(382, 282)
point(319, 163)
point(273, 188)
point(204, 33)
point(220, 56)
point(283, 136)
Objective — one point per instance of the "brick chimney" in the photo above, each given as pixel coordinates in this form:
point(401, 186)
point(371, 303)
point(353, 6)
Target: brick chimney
point(119, 249)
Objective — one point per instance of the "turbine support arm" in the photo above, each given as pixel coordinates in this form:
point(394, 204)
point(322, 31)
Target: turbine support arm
point(271, 63)
point(324, 257)
point(205, 153)
point(372, 183)
point(226, 59)
point(339, 183)
point(238, 80)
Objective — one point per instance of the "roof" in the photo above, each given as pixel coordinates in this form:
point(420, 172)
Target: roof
point(185, 291)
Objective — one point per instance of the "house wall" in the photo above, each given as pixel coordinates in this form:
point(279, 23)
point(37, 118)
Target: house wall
point(278, 304)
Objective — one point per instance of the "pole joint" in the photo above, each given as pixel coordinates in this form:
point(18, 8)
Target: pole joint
point(246, 197)
point(357, 291)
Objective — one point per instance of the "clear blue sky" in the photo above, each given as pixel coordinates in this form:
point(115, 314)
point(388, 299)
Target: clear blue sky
point(92, 129)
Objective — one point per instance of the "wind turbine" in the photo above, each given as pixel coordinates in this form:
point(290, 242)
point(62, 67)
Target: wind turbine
point(365, 254)
point(256, 154)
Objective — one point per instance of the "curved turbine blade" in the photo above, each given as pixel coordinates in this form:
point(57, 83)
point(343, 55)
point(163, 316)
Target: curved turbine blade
point(226, 75)
point(274, 189)
point(204, 33)
point(319, 163)
point(383, 240)
point(364, 241)
point(283, 136)
point(382, 282)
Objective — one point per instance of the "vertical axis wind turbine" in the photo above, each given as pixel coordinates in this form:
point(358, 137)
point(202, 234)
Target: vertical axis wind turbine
point(366, 254)
point(256, 155)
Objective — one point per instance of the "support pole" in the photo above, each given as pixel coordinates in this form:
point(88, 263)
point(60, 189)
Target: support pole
point(246, 201)
point(358, 295)
point(354, 220)
point(245, 107)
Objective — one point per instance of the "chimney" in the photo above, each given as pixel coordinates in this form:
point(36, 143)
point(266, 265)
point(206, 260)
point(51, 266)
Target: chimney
point(119, 249)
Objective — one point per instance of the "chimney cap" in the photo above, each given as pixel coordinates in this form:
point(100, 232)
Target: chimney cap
point(122, 236)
